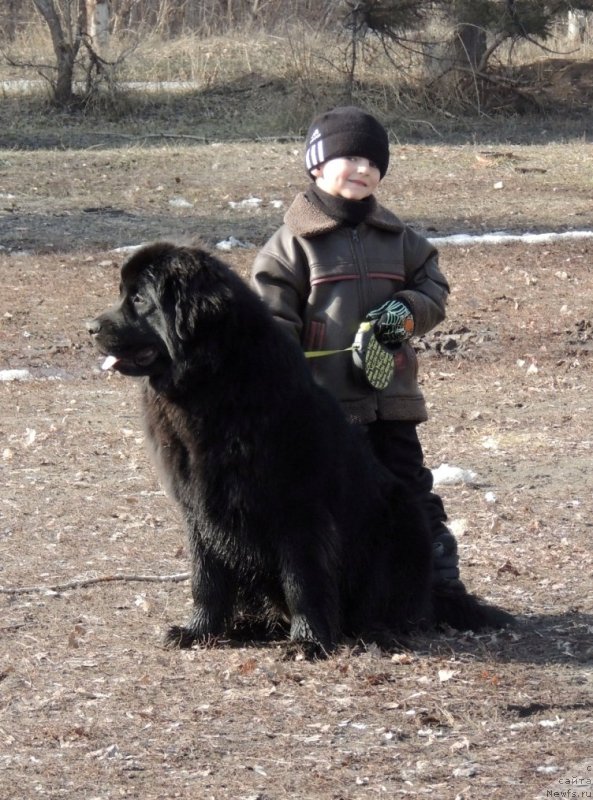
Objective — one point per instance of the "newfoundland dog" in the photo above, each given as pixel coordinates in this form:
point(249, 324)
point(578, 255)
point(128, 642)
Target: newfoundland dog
point(289, 515)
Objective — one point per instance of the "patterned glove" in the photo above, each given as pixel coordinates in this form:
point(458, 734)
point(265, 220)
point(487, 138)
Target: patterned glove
point(393, 323)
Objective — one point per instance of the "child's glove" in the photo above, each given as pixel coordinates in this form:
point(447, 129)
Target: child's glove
point(393, 323)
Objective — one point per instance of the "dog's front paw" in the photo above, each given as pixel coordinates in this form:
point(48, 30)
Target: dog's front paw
point(178, 636)
point(302, 634)
point(185, 637)
point(303, 651)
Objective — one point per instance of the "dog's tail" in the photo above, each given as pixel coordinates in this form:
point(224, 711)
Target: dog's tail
point(464, 611)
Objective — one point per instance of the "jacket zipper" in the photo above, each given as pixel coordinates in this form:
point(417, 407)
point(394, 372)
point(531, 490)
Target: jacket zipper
point(363, 293)
point(360, 263)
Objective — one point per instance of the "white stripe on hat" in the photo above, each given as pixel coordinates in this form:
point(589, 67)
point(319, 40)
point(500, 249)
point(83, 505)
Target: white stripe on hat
point(321, 159)
point(315, 155)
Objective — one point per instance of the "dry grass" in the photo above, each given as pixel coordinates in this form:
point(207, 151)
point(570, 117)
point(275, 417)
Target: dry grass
point(252, 83)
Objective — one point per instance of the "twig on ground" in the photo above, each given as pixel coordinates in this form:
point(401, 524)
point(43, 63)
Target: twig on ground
point(80, 583)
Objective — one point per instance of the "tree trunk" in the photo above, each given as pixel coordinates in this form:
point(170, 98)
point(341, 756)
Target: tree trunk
point(577, 26)
point(470, 45)
point(66, 44)
point(98, 15)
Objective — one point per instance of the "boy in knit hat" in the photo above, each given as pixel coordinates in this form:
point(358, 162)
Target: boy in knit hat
point(341, 258)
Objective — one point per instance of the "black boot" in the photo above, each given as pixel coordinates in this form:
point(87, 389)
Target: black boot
point(445, 562)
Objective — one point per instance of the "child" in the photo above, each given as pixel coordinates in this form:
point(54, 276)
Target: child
point(341, 258)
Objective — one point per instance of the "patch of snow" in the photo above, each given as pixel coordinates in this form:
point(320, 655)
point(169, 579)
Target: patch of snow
point(15, 375)
point(129, 248)
point(446, 475)
point(500, 237)
point(228, 244)
point(250, 202)
point(180, 202)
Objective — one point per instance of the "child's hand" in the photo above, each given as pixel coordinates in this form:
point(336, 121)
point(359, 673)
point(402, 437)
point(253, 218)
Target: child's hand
point(393, 322)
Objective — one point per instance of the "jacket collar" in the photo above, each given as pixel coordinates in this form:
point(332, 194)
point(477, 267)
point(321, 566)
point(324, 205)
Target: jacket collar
point(305, 219)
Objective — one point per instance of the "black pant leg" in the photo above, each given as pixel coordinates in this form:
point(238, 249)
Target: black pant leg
point(397, 445)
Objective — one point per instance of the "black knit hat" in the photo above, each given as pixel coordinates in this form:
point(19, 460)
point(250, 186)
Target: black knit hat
point(346, 131)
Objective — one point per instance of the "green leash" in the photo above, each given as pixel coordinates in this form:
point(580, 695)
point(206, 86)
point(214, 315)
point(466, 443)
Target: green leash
point(366, 326)
point(318, 353)
point(374, 360)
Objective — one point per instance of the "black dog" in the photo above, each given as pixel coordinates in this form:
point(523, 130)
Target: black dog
point(288, 512)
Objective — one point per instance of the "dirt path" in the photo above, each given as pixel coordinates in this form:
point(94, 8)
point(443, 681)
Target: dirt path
point(92, 706)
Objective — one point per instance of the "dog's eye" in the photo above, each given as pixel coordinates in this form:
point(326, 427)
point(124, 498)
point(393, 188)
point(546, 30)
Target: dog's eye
point(137, 299)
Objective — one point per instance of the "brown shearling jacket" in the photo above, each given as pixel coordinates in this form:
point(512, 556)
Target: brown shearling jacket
point(320, 278)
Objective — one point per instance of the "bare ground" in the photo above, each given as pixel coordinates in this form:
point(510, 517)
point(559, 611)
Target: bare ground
point(91, 705)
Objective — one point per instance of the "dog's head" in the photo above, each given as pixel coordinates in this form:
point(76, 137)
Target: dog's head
point(173, 305)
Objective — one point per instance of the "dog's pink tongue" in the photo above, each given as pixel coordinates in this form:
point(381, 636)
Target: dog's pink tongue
point(109, 362)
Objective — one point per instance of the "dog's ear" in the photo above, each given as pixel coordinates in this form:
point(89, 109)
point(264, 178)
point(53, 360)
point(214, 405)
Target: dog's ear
point(201, 295)
point(186, 312)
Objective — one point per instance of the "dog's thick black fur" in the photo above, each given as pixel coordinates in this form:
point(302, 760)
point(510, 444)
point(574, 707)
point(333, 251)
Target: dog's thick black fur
point(288, 512)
